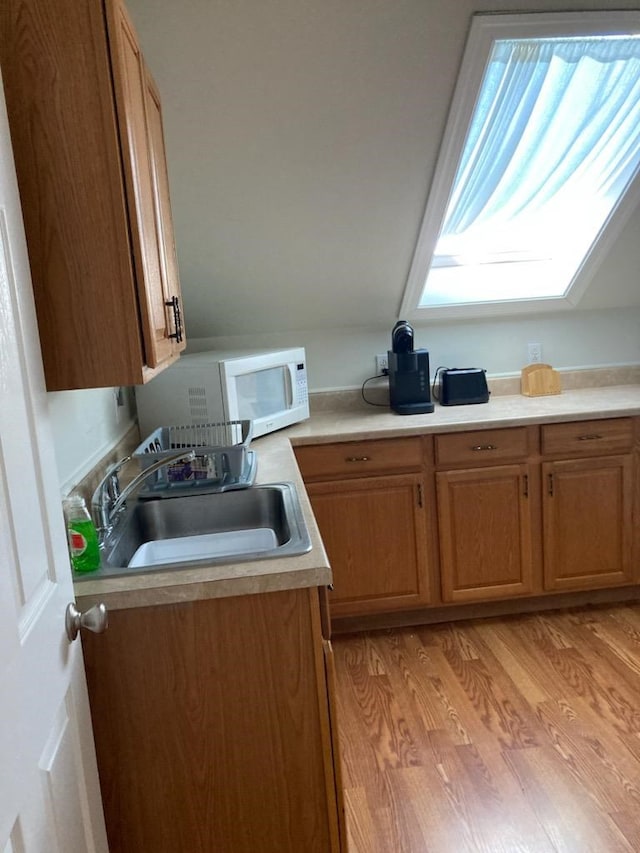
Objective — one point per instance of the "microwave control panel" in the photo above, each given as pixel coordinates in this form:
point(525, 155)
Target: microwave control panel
point(302, 388)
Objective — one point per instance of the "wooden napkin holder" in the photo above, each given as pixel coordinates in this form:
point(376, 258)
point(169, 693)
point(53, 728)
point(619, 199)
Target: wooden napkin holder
point(539, 380)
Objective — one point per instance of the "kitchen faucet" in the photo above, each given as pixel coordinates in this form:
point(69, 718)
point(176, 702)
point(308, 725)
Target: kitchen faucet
point(108, 499)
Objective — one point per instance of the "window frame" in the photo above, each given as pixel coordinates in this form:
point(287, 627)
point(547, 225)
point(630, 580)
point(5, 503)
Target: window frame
point(484, 30)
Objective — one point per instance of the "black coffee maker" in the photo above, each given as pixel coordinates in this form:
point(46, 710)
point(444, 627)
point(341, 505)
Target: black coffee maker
point(409, 392)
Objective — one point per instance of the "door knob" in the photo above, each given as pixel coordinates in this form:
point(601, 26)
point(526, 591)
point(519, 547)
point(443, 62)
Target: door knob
point(95, 619)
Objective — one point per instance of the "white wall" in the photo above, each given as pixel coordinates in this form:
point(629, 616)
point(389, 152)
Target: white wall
point(85, 426)
point(302, 136)
point(344, 357)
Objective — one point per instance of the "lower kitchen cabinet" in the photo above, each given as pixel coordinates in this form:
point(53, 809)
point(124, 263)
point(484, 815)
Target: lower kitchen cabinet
point(375, 532)
point(373, 506)
point(477, 515)
point(488, 514)
point(485, 523)
point(587, 500)
point(588, 523)
point(213, 727)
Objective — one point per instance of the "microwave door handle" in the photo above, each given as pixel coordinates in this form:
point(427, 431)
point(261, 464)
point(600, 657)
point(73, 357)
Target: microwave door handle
point(289, 384)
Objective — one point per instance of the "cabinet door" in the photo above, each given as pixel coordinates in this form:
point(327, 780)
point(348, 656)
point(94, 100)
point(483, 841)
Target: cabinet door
point(587, 517)
point(160, 183)
point(375, 533)
point(58, 84)
point(212, 729)
point(485, 522)
point(132, 97)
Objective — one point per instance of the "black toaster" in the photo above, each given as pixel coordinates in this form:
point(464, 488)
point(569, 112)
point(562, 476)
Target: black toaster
point(460, 386)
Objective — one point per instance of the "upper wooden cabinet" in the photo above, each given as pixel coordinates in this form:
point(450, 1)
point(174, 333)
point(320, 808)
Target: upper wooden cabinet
point(86, 128)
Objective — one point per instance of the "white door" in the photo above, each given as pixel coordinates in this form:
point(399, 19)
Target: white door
point(49, 794)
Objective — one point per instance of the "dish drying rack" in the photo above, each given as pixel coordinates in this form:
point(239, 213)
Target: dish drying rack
point(222, 460)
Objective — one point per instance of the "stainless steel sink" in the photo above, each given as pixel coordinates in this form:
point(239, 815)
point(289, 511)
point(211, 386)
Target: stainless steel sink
point(166, 534)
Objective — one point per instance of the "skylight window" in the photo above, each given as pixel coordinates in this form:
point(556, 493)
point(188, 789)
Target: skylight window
point(537, 162)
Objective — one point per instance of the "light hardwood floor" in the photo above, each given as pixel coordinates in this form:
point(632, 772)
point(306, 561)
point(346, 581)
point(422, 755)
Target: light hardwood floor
point(515, 734)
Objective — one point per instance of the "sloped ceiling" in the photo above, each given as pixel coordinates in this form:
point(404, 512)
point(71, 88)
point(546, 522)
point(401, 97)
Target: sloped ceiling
point(301, 137)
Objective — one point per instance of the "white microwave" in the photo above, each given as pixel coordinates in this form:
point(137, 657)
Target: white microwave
point(268, 387)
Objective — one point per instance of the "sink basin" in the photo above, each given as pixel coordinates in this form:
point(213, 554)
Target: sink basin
point(165, 534)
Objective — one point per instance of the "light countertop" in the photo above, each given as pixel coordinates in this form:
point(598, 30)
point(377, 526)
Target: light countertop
point(501, 411)
point(276, 463)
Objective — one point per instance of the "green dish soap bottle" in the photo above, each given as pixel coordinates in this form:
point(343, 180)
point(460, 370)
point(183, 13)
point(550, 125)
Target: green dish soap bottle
point(84, 548)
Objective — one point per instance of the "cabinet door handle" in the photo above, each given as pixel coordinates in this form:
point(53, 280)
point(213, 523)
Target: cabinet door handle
point(550, 484)
point(174, 303)
point(420, 501)
point(589, 437)
point(525, 485)
point(485, 447)
point(357, 459)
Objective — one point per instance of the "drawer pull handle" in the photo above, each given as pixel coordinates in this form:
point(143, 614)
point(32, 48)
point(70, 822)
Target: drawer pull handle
point(590, 437)
point(485, 447)
point(357, 459)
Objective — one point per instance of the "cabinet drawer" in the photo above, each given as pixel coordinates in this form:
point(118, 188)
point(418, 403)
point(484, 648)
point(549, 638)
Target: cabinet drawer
point(481, 447)
point(587, 437)
point(359, 458)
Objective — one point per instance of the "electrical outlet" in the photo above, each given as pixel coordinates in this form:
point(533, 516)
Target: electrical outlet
point(382, 364)
point(118, 401)
point(534, 352)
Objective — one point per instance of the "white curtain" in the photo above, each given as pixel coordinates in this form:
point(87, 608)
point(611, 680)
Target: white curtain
point(556, 130)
